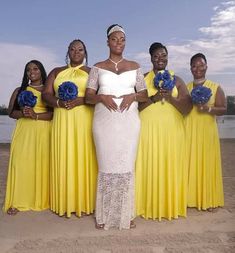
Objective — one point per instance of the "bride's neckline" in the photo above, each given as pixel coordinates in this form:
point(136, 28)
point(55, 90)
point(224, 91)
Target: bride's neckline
point(118, 74)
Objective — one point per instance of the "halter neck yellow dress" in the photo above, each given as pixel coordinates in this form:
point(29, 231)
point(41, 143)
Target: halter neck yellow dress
point(205, 188)
point(73, 163)
point(161, 176)
point(28, 171)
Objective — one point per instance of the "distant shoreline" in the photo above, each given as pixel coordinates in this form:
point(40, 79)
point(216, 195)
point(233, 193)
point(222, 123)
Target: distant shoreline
point(7, 144)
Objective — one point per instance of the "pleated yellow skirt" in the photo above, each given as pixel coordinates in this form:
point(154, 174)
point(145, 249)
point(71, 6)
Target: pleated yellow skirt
point(161, 175)
point(28, 172)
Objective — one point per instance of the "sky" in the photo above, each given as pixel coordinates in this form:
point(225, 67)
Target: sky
point(43, 29)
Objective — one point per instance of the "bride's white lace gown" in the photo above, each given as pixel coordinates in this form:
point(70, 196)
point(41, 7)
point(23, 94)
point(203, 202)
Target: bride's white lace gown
point(116, 136)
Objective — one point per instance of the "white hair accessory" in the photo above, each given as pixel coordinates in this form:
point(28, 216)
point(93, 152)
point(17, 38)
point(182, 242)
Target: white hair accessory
point(116, 28)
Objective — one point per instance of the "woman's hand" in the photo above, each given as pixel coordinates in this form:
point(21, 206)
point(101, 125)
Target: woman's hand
point(70, 104)
point(28, 112)
point(202, 108)
point(127, 101)
point(108, 101)
point(165, 94)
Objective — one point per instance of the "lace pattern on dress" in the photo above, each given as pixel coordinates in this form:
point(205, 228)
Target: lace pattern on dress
point(92, 82)
point(140, 83)
point(115, 200)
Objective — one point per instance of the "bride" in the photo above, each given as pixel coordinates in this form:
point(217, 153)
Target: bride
point(115, 86)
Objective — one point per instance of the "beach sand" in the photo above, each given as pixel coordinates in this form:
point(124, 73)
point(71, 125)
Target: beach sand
point(45, 232)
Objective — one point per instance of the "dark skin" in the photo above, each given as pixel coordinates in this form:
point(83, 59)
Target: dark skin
point(198, 69)
point(76, 56)
point(34, 75)
point(116, 44)
point(182, 102)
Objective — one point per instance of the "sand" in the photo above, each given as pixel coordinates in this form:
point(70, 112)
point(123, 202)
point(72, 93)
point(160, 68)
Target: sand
point(45, 232)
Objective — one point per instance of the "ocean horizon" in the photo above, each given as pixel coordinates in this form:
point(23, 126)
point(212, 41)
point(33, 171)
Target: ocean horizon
point(226, 127)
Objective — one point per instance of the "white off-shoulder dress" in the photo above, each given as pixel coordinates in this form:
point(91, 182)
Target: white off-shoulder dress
point(116, 136)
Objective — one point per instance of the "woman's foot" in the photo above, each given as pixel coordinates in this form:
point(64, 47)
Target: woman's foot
point(83, 214)
point(12, 211)
point(132, 224)
point(212, 210)
point(99, 226)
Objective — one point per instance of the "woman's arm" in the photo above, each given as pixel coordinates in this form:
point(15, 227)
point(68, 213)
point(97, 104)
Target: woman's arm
point(141, 96)
point(182, 102)
point(26, 112)
point(49, 97)
point(151, 100)
point(13, 113)
point(29, 112)
point(220, 106)
point(48, 93)
point(92, 98)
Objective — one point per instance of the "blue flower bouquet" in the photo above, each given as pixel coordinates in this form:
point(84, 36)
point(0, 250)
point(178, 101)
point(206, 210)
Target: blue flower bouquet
point(67, 91)
point(200, 95)
point(164, 80)
point(27, 98)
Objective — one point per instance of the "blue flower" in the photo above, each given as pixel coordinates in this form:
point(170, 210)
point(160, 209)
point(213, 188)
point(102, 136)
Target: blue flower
point(200, 94)
point(27, 98)
point(166, 75)
point(67, 91)
point(164, 80)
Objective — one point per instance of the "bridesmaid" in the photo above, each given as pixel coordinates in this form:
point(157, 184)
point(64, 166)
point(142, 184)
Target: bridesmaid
point(28, 171)
point(205, 172)
point(73, 158)
point(161, 176)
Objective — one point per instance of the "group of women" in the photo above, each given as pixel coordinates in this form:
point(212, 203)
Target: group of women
point(122, 147)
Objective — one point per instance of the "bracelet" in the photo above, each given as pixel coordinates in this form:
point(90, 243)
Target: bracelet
point(36, 116)
point(209, 109)
point(57, 103)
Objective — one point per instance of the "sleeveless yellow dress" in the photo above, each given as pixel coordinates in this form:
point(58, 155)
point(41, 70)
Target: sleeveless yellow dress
point(205, 188)
point(73, 164)
point(28, 171)
point(161, 176)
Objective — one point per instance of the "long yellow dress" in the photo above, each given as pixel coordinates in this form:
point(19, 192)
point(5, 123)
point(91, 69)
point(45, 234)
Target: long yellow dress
point(73, 164)
point(161, 176)
point(28, 171)
point(205, 188)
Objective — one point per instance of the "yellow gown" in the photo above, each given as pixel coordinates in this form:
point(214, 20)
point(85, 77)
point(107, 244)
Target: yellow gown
point(205, 188)
point(28, 171)
point(73, 164)
point(161, 176)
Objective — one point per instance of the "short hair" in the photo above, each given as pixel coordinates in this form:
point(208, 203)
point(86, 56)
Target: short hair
point(155, 46)
point(198, 55)
point(110, 27)
point(84, 46)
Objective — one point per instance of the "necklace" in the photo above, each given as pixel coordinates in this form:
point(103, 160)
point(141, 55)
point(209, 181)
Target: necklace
point(35, 86)
point(116, 63)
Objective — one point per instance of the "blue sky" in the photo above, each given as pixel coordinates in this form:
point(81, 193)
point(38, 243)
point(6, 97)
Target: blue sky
point(43, 29)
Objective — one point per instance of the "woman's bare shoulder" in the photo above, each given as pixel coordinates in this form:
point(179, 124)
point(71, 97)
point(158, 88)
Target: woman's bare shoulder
point(132, 64)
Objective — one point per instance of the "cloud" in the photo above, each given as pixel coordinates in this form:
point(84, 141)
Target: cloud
point(216, 42)
point(12, 62)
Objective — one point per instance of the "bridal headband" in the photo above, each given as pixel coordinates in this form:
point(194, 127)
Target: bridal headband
point(116, 28)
